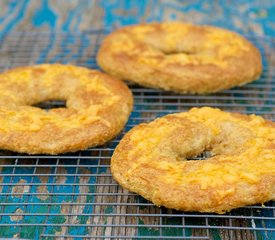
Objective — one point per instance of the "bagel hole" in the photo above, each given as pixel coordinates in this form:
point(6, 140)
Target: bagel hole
point(50, 104)
point(203, 156)
point(178, 52)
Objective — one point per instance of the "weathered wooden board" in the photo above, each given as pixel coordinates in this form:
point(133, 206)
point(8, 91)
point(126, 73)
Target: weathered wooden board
point(248, 17)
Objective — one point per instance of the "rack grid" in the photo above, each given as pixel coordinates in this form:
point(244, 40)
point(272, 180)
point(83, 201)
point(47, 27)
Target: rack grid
point(74, 196)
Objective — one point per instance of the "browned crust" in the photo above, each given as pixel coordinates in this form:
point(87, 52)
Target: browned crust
point(220, 59)
point(98, 107)
point(149, 160)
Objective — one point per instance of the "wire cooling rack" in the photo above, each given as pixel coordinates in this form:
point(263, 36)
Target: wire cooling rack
point(73, 196)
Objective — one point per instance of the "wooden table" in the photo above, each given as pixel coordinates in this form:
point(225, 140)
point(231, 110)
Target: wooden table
point(74, 195)
point(247, 17)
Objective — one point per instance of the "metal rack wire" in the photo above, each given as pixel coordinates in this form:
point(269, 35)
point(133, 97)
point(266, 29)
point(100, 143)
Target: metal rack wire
point(74, 196)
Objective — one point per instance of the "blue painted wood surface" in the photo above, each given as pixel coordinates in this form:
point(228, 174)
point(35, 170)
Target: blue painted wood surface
point(246, 17)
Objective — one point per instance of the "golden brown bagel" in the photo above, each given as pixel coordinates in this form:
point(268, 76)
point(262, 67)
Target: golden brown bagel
point(97, 107)
point(181, 57)
point(150, 160)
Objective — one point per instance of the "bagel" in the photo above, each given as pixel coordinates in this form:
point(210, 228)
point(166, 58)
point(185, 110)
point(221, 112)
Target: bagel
point(180, 57)
point(151, 160)
point(97, 107)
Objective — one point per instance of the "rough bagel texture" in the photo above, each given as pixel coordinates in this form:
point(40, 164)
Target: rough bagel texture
point(150, 160)
point(97, 107)
point(181, 57)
